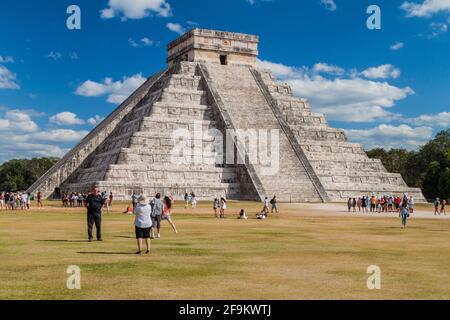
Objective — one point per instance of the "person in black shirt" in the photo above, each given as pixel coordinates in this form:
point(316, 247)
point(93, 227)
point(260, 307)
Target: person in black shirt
point(94, 205)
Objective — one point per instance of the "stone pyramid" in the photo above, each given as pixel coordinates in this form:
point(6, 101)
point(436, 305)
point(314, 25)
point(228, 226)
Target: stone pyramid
point(213, 83)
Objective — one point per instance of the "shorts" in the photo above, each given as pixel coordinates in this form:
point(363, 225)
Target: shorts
point(156, 221)
point(142, 233)
point(166, 217)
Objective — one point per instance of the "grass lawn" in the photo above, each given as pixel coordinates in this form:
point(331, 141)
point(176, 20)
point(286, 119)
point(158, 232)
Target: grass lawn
point(298, 254)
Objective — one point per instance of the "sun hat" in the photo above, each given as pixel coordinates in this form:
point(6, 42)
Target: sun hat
point(143, 200)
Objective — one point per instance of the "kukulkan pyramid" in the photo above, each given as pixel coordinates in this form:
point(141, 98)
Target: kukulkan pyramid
point(213, 83)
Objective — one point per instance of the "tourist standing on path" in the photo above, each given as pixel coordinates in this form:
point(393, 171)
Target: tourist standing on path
point(436, 207)
point(94, 205)
point(359, 204)
point(443, 204)
point(404, 214)
point(349, 204)
point(143, 223)
point(223, 207)
point(157, 212)
point(216, 206)
point(167, 212)
point(2, 200)
point(274, 204)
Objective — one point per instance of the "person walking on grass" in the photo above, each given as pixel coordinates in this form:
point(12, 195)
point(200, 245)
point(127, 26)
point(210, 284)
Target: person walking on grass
point(404, 213)
point(223, 207)
point(39, 200)
point(436, 207)
point(167, 212)
point(143, 223)
point(186, 200)
point(266, 205)
point(111, 199)
point(94, 205)
point(274, 204)
point(193, 200)
point(157, 212)
point(216, 206)
point(443, 204)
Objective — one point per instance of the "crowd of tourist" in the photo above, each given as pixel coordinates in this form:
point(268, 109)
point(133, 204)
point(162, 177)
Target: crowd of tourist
point(79, 199)
point(380, 204)
point(15, 201)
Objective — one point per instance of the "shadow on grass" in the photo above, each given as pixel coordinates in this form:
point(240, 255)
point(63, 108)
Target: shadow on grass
point(108, 253)
point(66, 241)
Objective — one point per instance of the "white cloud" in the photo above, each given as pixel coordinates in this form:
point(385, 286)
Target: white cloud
point(144, 42)
point(327, 68)
point(382, 72)
point(17, 120)
point(329, 4)
point(95, 120)
point(66, 118)
point(22, 137)
point(388, 136)
point(427, 8)
point(435, 120)
point(117, 91)
point(58, 135)
point(342, 97)
point(8, 79)
point(136, 9)
point(54, 55)
point(175, 27)
point(397, 46)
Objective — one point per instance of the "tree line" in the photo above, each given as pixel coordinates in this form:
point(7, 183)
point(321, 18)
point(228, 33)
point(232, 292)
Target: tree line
point(427, 168)
point(20, 174)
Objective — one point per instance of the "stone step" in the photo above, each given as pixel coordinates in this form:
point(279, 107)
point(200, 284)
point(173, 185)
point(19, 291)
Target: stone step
point(189, 96)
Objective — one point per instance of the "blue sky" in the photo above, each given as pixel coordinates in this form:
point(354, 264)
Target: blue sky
point(387, 87)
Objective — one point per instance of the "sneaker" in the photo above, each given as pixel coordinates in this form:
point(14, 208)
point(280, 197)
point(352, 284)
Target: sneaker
point(158, 236)
point(147, 252)
point(90, 240)
point(139, 252)
point(100, 239)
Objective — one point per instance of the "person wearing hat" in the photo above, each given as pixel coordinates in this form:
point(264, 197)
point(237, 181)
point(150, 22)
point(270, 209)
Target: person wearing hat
point(143, 223)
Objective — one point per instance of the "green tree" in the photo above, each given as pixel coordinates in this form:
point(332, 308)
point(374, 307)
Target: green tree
point(18, 175)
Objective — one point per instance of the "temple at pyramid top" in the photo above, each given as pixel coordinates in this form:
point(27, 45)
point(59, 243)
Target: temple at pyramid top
point(226, 48)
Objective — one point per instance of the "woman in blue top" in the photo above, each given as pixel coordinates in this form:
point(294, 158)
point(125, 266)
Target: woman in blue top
point(143, 223)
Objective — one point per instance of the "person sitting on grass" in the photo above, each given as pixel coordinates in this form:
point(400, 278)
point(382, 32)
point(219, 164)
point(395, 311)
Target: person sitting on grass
point(143, 223)
point(261, 216)
point(129, 210)
point(242, 215)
